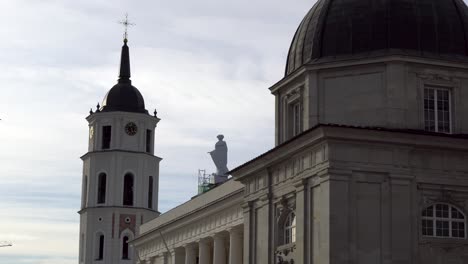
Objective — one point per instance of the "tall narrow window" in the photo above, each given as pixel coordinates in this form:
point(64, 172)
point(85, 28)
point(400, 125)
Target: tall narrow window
point(128, 189)
point(106, 136)
point(294, 118)
point(150, 192)
point(148, 140)
point(437, 110)
point(102, 188)
point(100, 247)
point(125, 248)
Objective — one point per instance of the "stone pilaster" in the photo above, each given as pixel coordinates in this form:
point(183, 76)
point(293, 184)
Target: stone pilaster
point(301, 221)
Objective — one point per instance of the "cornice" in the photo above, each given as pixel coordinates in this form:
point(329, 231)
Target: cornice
point(97, 152)
point(341, 133)
point(360, 60)
point(84, 210)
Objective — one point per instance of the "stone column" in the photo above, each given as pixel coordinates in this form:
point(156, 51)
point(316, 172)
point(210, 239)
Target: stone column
point(190, 254)
point(219, 249)
point(204, 252)
point(235, 246)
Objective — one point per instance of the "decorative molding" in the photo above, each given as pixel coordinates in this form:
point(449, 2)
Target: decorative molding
point(434, 77)
point(294, 93)
point(285, 254)
point(300, 165)
point(441, 195)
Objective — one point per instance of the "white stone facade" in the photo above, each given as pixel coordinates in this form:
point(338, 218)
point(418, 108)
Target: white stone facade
point(378, 92)
point(358, 195)
point(358, 179)
point(105, 212)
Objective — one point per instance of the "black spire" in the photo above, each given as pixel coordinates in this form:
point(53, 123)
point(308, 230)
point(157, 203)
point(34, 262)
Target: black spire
point(124, 96)
point(124, 76)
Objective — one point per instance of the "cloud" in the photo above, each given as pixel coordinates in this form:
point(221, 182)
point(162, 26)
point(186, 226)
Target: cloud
point(41, 231)
point(205, 65)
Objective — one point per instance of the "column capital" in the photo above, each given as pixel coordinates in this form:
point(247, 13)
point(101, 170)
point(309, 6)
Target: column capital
point(190, 245)
point(204, 240)
point(247, 205)
point(300, 185)
point(217, 236)
point(236, 230)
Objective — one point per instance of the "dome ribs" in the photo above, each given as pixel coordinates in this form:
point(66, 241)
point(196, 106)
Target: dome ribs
point(463, 16)
point(307, 44)
point(403, 26)
point(335, 29)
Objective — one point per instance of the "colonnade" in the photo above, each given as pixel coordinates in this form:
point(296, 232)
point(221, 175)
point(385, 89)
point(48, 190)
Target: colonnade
point(222, 248)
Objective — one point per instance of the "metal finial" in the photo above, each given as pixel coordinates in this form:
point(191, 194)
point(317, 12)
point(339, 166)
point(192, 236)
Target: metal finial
point(91, 111)
point(98, 107)
point(155, 112)
point(126, 24)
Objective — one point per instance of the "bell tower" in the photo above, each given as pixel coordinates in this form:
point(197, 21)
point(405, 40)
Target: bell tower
point(120, 173)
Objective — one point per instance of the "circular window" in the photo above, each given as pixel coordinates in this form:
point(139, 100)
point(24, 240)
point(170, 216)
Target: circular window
point(127, 220)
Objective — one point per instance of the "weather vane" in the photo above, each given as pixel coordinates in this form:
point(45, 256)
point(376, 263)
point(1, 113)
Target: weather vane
point(126, 24)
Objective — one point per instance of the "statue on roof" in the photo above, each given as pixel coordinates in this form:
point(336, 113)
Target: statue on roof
point(219, 156)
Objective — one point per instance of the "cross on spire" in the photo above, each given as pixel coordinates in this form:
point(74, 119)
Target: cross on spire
point(126, 24)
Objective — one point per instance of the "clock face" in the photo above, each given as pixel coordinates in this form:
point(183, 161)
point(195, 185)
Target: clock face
point(91, 132)
point(131, 129)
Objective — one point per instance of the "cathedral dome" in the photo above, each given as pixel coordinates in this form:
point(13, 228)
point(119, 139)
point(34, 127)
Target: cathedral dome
point(124, 96)
point(336, 29)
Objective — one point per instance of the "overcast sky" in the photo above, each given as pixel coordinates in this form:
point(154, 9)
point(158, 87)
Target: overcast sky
point(206, 65)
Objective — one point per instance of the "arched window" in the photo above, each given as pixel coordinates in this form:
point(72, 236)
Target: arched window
point(101, 188)
point(150, 192)
point(443, 220)
point(125, 254)
point(128, 189)
point(99, 252)
point(289, 229)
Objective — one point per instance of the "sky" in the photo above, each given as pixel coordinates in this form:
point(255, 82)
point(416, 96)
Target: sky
point(205, 65)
